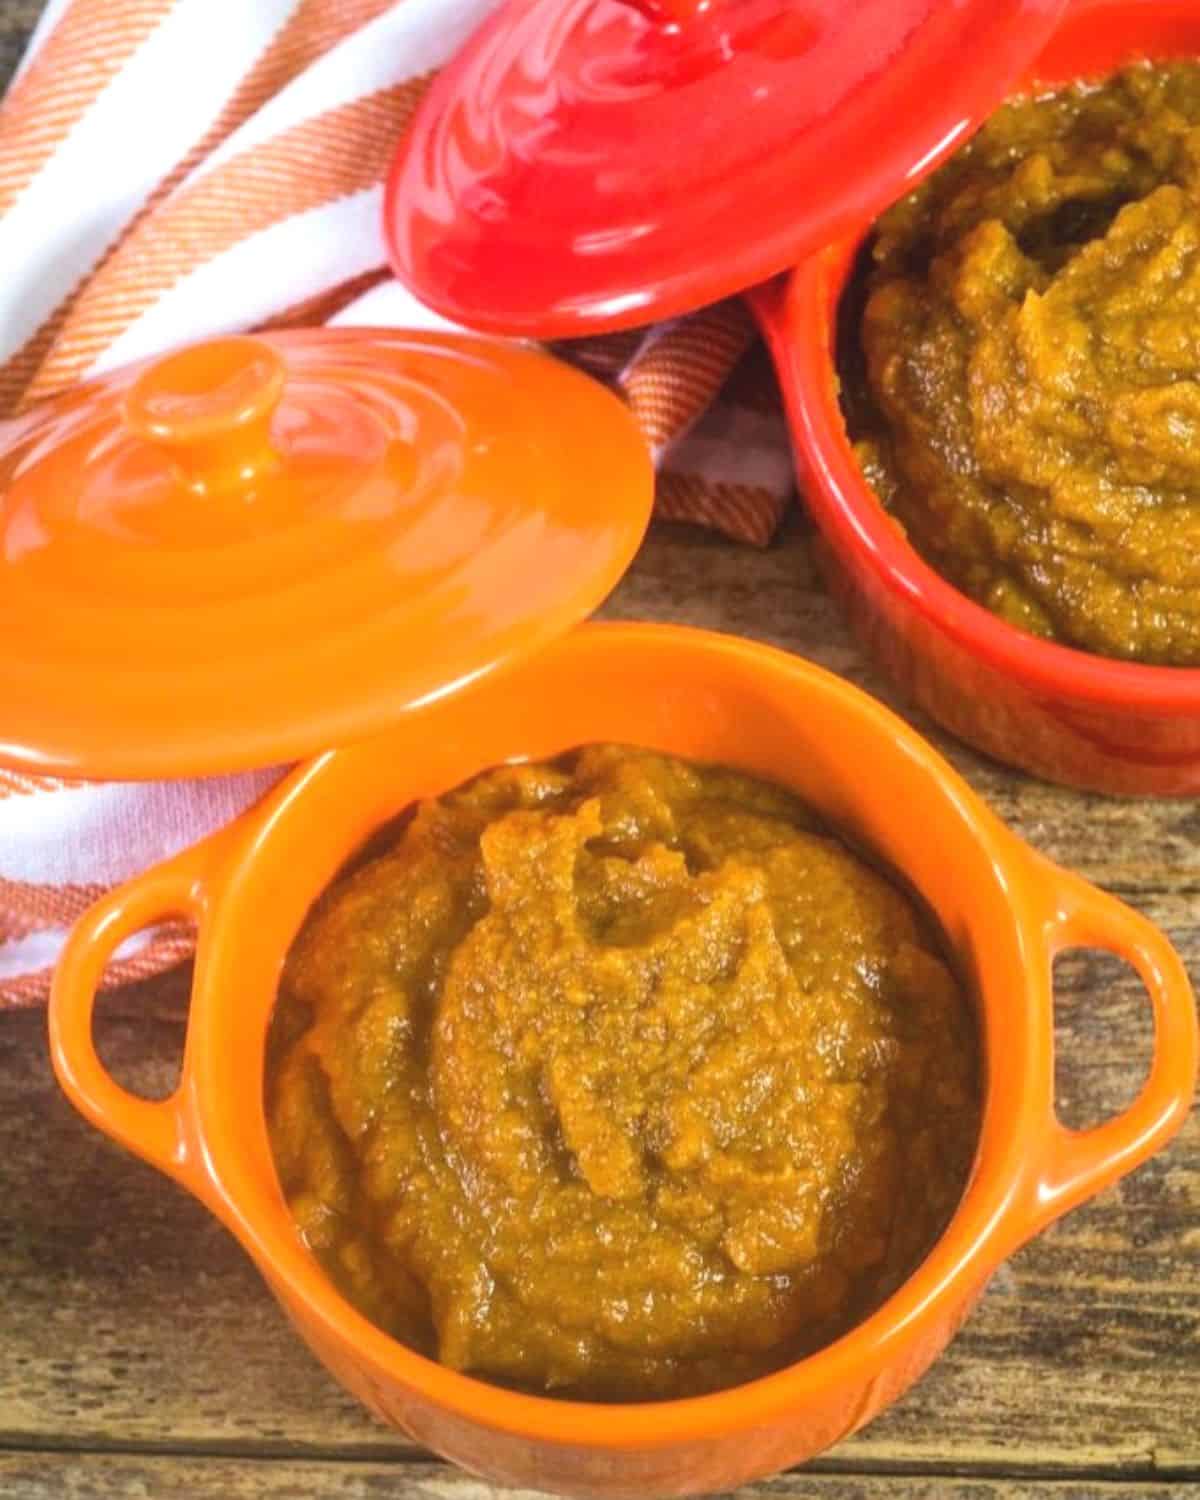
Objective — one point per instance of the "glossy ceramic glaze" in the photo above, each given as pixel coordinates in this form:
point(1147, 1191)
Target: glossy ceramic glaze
point(584, 165)
point(252, 549)
point(1064, 714)
point(1004, 910)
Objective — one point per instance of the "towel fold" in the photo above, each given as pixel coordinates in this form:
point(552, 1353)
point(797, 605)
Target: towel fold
point(172, 169)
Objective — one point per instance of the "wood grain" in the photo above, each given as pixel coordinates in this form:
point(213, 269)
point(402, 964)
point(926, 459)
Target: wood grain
point(17, 18)
point(101, 1477)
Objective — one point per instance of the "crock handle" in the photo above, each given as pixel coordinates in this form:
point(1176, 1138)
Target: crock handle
point(1076, 1164)
point(153, 1129)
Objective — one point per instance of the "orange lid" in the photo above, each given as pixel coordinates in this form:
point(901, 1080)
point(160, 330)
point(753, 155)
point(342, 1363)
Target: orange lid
point(257, 548)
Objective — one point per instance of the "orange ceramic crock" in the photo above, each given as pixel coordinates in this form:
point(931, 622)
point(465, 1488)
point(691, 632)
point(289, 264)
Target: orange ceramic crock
point(1061, 713)
point(1005, 911)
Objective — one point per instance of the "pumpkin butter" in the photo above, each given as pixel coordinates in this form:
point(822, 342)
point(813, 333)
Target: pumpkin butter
point(1032, 361)
point(619, 1078)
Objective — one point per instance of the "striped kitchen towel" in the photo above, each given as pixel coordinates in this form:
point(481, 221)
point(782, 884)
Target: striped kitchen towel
point(171, 169)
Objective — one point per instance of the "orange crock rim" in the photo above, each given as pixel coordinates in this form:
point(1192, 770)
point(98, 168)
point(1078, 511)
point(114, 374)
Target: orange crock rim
point(986, 1225)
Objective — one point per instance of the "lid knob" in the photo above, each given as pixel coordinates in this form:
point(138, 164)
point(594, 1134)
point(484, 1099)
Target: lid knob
point(674, 12)
point(210, 407)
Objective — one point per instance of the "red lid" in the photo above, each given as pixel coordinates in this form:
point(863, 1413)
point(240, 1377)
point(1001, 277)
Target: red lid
point(254, 549)
point(584, 165)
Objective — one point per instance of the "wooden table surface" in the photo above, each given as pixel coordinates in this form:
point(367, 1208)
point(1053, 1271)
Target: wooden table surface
point(141, 1355)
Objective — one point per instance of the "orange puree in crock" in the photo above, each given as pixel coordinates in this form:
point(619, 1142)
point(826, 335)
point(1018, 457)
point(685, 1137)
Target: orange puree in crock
point(1032, 352)
point(619, 1078)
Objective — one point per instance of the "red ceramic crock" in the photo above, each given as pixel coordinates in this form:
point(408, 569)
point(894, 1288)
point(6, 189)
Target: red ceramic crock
point(1064, 714)
point(1005, 911)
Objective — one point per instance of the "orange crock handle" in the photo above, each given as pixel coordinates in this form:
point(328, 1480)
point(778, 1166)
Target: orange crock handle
point(1076, 1164)
point(153, 1129)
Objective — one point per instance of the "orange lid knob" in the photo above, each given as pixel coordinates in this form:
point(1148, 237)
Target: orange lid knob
point(210, 407)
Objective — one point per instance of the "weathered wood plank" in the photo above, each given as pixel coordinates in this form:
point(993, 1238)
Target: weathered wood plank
point(17, 18)
point(51, 1476)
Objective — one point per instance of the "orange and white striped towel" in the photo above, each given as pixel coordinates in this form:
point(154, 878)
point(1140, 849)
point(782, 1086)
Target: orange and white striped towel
point(171, 169)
